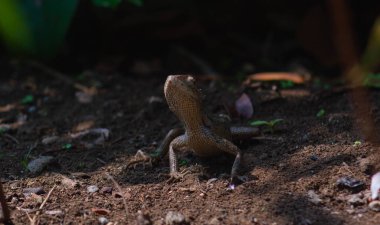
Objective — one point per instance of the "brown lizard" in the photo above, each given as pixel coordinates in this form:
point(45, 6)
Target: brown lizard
point(206, 137)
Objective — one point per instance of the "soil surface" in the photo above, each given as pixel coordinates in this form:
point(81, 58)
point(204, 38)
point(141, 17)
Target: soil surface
point(291, 174)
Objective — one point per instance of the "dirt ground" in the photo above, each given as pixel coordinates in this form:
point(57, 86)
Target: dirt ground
point(292, 174)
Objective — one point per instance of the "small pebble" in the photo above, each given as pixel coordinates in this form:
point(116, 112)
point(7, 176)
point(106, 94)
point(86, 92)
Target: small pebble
point(106, 190)
point(49, 140)
point(102, 220)
point(37, 165)
point(67, 182)
point(374, 205)
point(314, 158)
point(57, 212)
point(356, 199)
point(143, 218)
point(175, 218)
point(36, 190)
point(350, 182)
point(314, 197)
point(214, 221)
point(92, 188)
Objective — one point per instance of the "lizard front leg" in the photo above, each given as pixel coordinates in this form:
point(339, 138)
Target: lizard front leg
point(175, 146)
point(154, 158)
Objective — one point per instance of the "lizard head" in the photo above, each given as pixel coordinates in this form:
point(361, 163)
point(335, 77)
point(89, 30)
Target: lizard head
point(180, 89)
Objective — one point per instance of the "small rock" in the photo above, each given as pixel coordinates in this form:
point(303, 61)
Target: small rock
point(314, 197)
point(49, 140)
point(314, 158)
point(350, 182)
point(37, 165)
point(143, 218)
point(106, 190)
point(83, 97)
point(214, 221)
point(92, 188)
point(305, 137)
point(175, 218)
point(30, 191)
point(102, 220)
point(374, 205)
point(365, 165)
point(54, 212)
point(69, 182)
point(356, 199)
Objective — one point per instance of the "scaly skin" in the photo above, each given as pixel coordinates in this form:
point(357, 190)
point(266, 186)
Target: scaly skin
point(206, 137)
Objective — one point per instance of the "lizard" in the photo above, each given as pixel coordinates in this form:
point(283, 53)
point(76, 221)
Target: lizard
point(203, 135)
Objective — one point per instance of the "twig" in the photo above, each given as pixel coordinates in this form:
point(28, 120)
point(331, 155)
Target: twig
point(58, 75)
point(121, 192)
point(12, 138)
point(202, 65)
point(42, 205)
point(101, 161)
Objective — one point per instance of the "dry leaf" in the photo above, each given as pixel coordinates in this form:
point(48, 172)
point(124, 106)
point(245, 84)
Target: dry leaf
point(276, 76)
point(85, 125)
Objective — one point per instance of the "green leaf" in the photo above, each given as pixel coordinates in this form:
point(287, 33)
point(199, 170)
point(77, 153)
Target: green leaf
point(106, 3)
point(276, 121)
point(357, 143)
point(286, 84)
point(259, 123)
point(24, 163)
point(2, 130)
point(67, 146)
point(321, 113)
point(137, 3)
point(27, 99)
point(372, 80)
point(183, 162)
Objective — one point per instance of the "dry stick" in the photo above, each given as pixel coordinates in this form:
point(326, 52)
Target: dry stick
point(42, 205)
point(4, 206)
point(121, 192)
point(57, 75)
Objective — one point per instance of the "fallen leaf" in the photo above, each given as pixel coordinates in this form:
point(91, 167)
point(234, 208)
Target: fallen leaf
point(7, 108)
point(100, 211)
point(244, 106)
point(85, 125)
point(277, 76)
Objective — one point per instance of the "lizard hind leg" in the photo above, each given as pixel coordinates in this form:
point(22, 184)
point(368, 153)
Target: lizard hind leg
point(228, 147)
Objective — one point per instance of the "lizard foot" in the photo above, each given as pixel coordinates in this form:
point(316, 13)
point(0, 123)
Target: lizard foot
point(141, 158)
point(236, 180)
point(177, 176)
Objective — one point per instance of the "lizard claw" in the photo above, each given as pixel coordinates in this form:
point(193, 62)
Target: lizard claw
point(141, 158)
point(177, 176)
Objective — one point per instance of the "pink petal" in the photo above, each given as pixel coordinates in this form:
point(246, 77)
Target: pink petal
point(244, 106)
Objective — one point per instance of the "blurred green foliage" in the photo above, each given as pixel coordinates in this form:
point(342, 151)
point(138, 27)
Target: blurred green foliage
point(35, 28)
